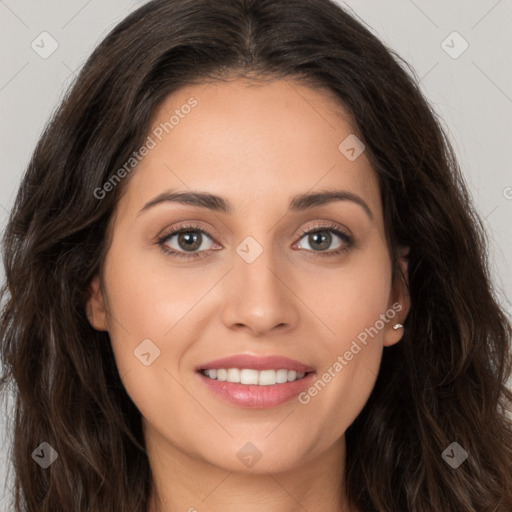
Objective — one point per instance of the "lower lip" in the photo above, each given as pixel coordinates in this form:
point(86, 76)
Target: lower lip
point(257, 397)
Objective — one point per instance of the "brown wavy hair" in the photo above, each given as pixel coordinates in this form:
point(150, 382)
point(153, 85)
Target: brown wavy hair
point(444, 382)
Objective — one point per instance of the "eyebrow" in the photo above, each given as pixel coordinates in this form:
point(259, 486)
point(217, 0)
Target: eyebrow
point(216, 203)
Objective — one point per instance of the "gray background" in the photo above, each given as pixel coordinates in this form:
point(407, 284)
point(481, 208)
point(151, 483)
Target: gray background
point(472, 93)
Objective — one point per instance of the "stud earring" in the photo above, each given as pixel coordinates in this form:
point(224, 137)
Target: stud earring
point(397, 326)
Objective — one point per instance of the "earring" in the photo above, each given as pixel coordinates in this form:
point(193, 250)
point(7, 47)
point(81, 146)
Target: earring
point(397, 326)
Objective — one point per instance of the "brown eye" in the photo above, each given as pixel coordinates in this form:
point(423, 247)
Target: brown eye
point(320, 239)
point(185, 241)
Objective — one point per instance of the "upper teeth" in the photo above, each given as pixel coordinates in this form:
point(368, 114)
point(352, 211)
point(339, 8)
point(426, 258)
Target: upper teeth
point(249, 376)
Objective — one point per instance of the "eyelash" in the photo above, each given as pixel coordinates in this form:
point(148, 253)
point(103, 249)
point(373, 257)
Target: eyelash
point(349, 242)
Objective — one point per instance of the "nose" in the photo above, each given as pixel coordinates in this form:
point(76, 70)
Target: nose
point(260, 296)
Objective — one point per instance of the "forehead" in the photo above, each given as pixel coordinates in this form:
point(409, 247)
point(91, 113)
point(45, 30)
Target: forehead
point(251, 143)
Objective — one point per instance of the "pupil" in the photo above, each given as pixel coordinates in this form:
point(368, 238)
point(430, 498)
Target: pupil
point(188, 237)
point(324, 236)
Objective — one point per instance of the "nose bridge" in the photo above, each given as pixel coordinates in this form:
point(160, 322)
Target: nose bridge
point(258, 294)
point(255, 269)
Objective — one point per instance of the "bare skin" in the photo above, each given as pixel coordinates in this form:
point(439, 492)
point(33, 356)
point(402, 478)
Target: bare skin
point(257, 147)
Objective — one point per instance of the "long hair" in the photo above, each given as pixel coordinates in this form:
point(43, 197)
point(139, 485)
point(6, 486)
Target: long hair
point(445, 382)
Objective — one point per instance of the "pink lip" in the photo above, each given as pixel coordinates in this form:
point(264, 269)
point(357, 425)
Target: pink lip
point(252, 396)
point(256, 363)
point(257, 397)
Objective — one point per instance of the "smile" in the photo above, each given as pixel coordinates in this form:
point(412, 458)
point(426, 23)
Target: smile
point(249, 376)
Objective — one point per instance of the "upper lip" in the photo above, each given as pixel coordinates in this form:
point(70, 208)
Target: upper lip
point(255, 362)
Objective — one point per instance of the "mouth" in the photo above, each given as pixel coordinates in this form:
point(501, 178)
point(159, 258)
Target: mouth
point(256, 382)
point(249, 376)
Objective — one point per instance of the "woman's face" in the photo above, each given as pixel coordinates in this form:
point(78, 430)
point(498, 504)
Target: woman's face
point(252, 285)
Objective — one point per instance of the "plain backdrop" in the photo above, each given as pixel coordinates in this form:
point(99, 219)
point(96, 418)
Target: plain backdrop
point(470, 88)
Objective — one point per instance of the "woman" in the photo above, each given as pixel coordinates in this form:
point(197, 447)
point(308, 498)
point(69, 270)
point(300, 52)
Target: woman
point(174, 337)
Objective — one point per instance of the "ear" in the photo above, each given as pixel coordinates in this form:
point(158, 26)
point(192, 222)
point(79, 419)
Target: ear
point(95, 305)
point(399, 301)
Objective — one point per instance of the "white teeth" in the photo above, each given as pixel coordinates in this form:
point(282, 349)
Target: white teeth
point(233, 375)
point(249, 376)
point(281, 376)
point(254, 377)
point(267, 378)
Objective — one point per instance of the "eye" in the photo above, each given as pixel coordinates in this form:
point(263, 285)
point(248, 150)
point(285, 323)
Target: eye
point(319, 238)
point(189, 239)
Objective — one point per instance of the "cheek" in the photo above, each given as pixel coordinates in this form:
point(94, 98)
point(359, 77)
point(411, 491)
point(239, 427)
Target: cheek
point(145, 303)
point(148, 308)
point(346, 378)
point(352, 298)
point(355, 311)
